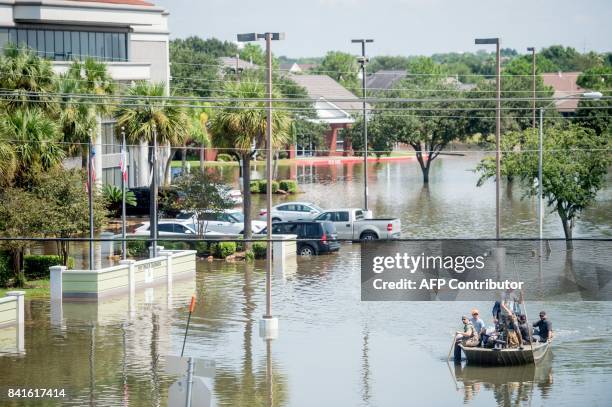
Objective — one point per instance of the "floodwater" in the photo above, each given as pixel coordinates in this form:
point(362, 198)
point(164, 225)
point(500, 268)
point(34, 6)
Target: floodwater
point(332, 349)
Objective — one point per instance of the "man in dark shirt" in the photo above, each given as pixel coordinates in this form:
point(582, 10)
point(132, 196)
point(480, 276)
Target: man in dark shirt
point(544, 326)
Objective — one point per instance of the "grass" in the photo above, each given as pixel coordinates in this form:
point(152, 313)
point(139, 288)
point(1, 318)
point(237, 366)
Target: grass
point(33, 289)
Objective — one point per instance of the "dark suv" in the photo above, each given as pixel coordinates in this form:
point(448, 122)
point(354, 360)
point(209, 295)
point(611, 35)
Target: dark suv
point(321, 236)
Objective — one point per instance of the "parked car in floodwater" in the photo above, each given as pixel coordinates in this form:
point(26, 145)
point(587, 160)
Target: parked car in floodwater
point(230, 221)
point(351, 224)
point(288, 211)
point(170, 228)
point(313, 237)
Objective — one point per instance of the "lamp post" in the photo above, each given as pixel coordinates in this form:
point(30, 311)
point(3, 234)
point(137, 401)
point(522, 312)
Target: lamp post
point(533, 85)
point(363, 62)
point(91, 181)
point(586, 95)
point(153, 195)
point(495, 41)
point(268, 327)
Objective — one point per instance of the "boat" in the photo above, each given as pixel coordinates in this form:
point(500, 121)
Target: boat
point(529, 354)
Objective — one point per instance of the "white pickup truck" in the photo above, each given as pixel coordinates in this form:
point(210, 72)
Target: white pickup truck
point(351, 224)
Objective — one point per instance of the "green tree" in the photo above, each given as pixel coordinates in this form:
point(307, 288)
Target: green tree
point(343, 68)
point(66, 208)
point(26, 80)
point(21, 215)
point(113, 197)
point(575, 164)
point(29, 144)
point(388, 63)
point(149, 109)
point(240, 126)
point(255, 53)
point(202, 193)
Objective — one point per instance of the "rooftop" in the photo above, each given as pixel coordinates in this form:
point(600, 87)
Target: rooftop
point(383, 80)
point(564, 85)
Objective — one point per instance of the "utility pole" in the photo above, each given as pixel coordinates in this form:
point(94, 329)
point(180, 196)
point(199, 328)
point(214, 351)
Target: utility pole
point(496, 41)
point(533, 85)
point(123, 186)
point(91, 181)
point(363, 60)
point(153, 195)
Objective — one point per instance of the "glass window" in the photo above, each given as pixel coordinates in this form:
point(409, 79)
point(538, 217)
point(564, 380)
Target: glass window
point(84, 44)
point(312, 230)
point(75, 44)
point(122, 47)
point(32, 39)
point(109, 142)
point(4, 37)
point(40, 40)
point(67, 46)
point(22, 38)
point(342, 217)
point(165, 227)
point(92, 45)
point(108, 46)
point(59, 45)
point(359, 214)
point(285, 208)
point(99, 52)
point(49, 44)
point(324, 216)
point(13, 36)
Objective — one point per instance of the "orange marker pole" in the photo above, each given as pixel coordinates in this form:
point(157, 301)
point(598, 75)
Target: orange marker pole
point(191, 308)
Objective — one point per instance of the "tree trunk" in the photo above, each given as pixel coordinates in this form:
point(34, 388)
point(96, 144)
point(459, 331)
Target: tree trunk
point(425, 174)
point(65, 252)
point(246, 199)
point(184, 159)
point(567, 225)
point(17, 268)
point(167, 170)
point(202, 157)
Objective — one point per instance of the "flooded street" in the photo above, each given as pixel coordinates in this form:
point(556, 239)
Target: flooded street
point(333, 349)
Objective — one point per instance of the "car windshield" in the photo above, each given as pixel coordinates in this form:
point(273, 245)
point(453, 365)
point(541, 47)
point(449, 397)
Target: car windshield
point(238, 216)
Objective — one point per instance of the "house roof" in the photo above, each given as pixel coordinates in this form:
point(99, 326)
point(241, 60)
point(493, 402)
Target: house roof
point(230, 62)
point(322, 86)
point(126, 2)
point(384, 79)
point(564, 85)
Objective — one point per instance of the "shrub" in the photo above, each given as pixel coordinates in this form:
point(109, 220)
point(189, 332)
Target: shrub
point(254, 187)
point(224, 249)
point(283, 155)
point(288, 185)
point(37, 266)
point(263, 185)
point(201, 249)
point(259, 250)
point(137, 248)
point(114, 196)
point(249, 256)
point(224, 157)
point(6, 271)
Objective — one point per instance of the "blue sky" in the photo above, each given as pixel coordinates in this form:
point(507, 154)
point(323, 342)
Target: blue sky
point(399, 27)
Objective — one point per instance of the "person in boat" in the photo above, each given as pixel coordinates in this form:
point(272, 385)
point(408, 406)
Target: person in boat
point(544, 332)
point(468, 337)
point(478, 323)
point(524, 329)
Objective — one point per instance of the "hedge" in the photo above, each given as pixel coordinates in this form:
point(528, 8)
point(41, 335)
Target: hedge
point(224, 157)
point(288, 185)
point(263, 185)
point(259, 250)
point(254, 187)
point(37, 266)
point(224, 249)
point(137, 248)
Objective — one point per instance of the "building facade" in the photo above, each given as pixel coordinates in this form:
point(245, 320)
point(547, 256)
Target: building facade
point(130, 36)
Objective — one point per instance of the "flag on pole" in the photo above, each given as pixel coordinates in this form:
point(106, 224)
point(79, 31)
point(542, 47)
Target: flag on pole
point(91, 170)
point(123, 164)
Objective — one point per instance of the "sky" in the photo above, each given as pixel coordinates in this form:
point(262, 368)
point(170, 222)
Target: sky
point(398, 27)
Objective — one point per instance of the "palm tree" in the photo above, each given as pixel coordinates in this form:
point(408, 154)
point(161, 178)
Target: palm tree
point(241, 125)
point(26, 79)
point(198, 133)
point(29, 144)
point(78, 116)
point(148, 109)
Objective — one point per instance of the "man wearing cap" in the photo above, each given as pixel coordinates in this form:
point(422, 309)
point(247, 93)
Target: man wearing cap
point(544, 331)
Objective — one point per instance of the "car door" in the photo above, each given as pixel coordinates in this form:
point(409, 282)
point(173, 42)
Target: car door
point(283, 212)
point(219, 223)
point(344, 227)
point(231, 224)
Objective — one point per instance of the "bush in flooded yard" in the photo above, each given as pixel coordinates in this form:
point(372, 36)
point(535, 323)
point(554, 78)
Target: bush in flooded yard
point(259, 250)
point(289, 186)
point(224, 157)
point(263, 185)
point(6, 272)
point(201, 248)
point(249, 256)
point(254, 188)
point(137, 248)
point(37, 266)
point(224, 249)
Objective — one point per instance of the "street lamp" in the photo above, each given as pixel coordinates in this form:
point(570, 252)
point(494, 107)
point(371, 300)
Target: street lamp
point(479, 41)
point(363, 60)
point(533, 70)
point(586, 95)
point(268, 326)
